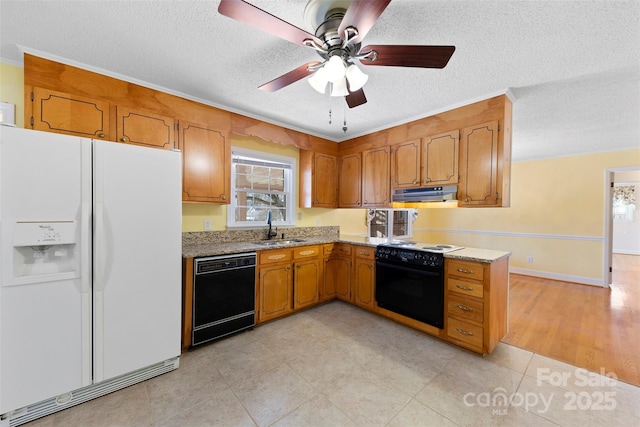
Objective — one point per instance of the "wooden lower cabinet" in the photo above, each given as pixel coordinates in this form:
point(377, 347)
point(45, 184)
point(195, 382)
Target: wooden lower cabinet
point(339, 271)
point(274, 290)
point(364, 277)
point(476, 303)
point(275, 284)
point(288, 279)
point(327, 289)
point(306, 276)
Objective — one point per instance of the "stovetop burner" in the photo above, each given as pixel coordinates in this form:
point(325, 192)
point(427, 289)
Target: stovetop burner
point(420, 246)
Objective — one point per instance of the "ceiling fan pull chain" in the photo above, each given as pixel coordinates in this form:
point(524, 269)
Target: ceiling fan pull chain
point(330, 90)
point(344, 126)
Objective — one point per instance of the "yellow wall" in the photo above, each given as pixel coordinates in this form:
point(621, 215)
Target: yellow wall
point(12, 89)
point(556, 217)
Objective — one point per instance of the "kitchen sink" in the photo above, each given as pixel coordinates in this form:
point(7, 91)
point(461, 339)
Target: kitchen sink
point(281, 242)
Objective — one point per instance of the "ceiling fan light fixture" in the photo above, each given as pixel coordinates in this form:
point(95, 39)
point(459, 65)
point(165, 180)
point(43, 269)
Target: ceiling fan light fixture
point(319, 80)
point(356, 77)
point(335, 68)
point(339, 87)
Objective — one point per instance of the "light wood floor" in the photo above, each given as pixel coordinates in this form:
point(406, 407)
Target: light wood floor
point(587, 326)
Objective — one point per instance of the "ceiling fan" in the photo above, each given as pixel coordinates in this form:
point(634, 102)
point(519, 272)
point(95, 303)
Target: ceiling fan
point(340, 27)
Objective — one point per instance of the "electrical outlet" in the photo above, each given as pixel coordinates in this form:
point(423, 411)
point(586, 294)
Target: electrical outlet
point(299, 216)
point(207, 224)
point(318, 222)
point(529, 259)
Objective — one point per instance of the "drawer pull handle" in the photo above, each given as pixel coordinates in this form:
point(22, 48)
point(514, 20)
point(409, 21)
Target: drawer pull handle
point(464, 288)
point(364, 253)
point(308, 252)
point(276, 256)
point(462, 307)
point(463, 332)
point(462, 270)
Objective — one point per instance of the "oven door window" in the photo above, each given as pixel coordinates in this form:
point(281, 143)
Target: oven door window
point(412, 292)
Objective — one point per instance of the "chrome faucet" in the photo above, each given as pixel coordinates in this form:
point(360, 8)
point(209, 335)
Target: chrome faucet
point(271, 233)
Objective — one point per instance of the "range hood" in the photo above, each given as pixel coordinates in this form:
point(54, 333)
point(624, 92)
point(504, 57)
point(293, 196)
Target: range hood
point(425, 194)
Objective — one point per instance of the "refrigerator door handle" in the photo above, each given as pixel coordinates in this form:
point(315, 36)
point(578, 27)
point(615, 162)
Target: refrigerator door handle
point(85, 247)
point(99, 250)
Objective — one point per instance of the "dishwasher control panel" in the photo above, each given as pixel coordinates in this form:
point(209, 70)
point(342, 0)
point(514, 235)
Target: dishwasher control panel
point(224, 262)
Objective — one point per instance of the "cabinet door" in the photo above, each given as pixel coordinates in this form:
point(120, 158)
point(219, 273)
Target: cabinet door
point(306, 280)
point(144, 128)
point(440, 159)
point(375, 177)
point(61, 112)
point(337, 278)
point(405, 164)
point(325, 181)
point(364, 283)
point(206, 160)
point(479, 165)
point(350, 181)
point(275, 291)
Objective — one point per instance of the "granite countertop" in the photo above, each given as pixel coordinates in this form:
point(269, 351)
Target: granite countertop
point(193, 250)
point(477, 254)
point(201, 249)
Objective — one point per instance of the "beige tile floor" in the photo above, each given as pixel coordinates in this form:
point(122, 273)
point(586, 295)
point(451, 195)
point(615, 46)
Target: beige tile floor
point(338, 365)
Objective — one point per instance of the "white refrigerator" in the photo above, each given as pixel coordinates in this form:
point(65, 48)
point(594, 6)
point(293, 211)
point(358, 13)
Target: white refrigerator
point(90, 272)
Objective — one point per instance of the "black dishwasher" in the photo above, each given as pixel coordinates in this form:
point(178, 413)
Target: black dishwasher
point(224, 296)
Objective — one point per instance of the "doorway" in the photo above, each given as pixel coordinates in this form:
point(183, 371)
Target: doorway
point(622, 220)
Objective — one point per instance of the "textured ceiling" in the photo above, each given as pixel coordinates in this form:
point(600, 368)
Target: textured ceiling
point(571, 67)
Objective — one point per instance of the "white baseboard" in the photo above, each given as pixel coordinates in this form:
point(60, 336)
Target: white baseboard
point(625, 252)
point(556, 276)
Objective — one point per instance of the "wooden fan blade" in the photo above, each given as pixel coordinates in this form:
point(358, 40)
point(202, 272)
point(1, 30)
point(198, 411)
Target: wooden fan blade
point(362, 14)
point(288, 78)
point(409, 56)
point(249, 14)
point(355, 98)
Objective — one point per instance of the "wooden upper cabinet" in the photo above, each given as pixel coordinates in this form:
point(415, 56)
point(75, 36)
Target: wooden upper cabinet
point(350, 179)
point(479, 165)
point(206, 159)
point(61, 112)
point(405, 164)
point(440, 159)
point(376, 177)
point(318, 180)
point(144, 128)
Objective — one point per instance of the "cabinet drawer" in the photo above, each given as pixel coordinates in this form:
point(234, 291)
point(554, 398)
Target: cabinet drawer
point(328, 249)
point(465, 307)
point(306, 252)
point(470, 269)
point(268, 257)
point(465, 333)
point(342, 250)
point(465, 287)
point(365, 252)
